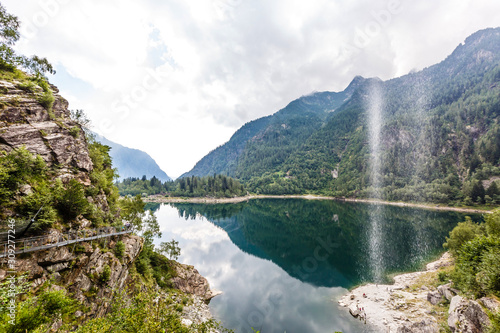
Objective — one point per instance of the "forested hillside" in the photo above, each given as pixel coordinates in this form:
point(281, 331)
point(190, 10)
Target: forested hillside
point(440, 136)
point(217, 186)
point(265, 143)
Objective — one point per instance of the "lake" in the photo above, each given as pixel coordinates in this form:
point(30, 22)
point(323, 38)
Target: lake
point(283, 263)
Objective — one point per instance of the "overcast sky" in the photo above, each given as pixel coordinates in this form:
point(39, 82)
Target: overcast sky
point(176, 78)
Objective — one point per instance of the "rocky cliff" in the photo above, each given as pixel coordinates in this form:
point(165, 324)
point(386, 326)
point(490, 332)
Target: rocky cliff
point(79, 269)
point(50, 134)
point(33, 115)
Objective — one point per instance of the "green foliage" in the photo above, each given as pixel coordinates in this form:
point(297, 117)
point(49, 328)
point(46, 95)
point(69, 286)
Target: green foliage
point(36, 313)
point(217, 186)
point(493, 223)
point(17, 168)
point(144, 315)
point(132, 211)
point(462, 233)
point(495, 323)
point(74, 131)
point(102, 177)
point(170, 249)
point(106, 274)
point(47, 100)
point(21, 285)
point(79, 117)
point(71, 200)
point(28, 86)
point(477, 269)
point(9, 60)
point(120, 249)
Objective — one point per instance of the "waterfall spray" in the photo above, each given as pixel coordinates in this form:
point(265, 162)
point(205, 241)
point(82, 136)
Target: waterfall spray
point(375, 232)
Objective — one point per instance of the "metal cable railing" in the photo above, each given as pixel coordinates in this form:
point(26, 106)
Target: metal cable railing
point(31, 244)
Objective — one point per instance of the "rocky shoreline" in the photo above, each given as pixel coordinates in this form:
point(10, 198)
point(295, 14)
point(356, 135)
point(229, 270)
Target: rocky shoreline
point(157, 198)
point(412, 304)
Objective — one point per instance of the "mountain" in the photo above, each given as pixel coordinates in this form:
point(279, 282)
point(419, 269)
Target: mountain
point(439, 135)
point(281, 132)
point(133, 162)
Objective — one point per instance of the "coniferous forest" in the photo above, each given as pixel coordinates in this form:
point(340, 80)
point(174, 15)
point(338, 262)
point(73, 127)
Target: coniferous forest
point(217, 186)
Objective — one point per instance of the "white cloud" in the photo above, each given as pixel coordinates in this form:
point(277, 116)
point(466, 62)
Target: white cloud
point(226, 62)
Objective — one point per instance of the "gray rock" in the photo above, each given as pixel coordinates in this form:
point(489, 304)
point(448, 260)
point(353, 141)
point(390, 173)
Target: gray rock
point(434, 297)
point(447, 291)
point(188, 280)
point(57, 267)
point(24, 122)
point(427, 325)
point(26, 189)
point(490, 303)
point(354, 310)
point(467, 316)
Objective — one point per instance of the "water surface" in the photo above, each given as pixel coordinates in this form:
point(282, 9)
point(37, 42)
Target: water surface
point(283, 263)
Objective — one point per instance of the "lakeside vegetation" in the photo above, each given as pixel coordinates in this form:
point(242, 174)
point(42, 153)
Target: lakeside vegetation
point(217, 186)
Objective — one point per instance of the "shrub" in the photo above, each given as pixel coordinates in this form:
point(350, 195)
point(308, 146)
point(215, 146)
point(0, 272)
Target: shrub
point(47, 100)
point(120, 249)
point(463, 232)
point(74, 131)
point(35, 314)
point(493, 223)
point(472, 274)
point(106, 274)
point(71, 201)
point(28, 86)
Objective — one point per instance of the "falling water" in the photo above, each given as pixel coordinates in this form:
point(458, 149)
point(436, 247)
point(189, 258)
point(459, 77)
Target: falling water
point(419, 97)
point(376, 213)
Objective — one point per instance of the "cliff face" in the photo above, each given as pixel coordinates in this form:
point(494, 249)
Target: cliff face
point(79, 269)
point(91, 272)
point(52, 135)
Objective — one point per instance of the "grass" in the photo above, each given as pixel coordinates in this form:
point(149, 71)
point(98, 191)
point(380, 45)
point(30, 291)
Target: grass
point(47, 100)
point(74, 131)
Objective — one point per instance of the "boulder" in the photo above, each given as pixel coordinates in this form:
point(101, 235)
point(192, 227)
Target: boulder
point(133, 246)
point(490, 303)
point(25, 190)
point(190, 281)
point(467, 316)
point(434, 297)
point(54, 256)
point(446, 291)
point(426, 325)
point(354, 310)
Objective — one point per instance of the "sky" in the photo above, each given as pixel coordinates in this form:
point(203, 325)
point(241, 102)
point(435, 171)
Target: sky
point(176, 78)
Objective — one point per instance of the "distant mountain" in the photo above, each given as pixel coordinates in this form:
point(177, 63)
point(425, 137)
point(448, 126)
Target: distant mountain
point(439, 139)
point(132, 162)
point(281, 133)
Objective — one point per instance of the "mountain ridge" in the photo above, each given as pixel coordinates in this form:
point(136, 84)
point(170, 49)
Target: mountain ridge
point(440, 135)
point(131, 162)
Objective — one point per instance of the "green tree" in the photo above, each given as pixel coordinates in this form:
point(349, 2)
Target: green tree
point(462, 233)
point(9, 59)
point(170, 249)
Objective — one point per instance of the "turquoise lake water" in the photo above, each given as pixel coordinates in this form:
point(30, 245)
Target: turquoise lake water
point(283, 263)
